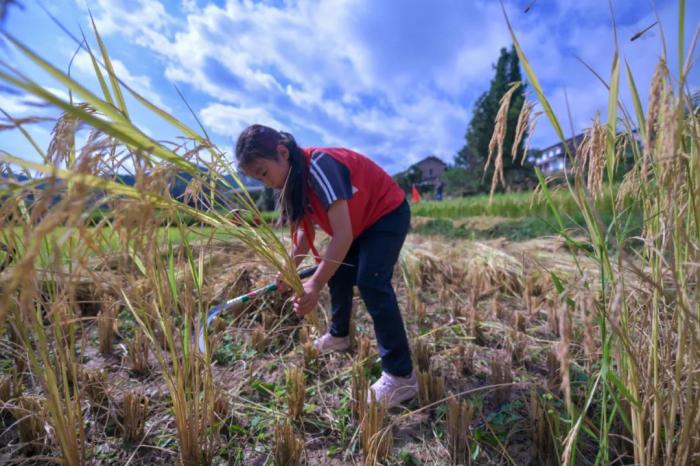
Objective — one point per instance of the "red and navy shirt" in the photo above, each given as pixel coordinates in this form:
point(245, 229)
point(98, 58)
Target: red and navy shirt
point(337, 173)
point(329, 178)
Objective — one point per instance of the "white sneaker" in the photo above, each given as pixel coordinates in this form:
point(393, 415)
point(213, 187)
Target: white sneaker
point(394, 390)
point(328, 343)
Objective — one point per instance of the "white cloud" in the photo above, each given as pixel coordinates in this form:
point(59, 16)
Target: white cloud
point(189, 6)
point(23, 105)
point(230, 120)
point(140, 84)
point(144, 21)
point(398, 82)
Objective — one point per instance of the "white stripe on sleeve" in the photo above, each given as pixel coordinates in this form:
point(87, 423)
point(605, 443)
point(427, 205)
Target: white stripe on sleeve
point(332, 197)
point(314, 173)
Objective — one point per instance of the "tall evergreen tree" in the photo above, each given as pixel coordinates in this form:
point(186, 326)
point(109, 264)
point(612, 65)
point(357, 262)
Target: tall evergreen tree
point(474, 153)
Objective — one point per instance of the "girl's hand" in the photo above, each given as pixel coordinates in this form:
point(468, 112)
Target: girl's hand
point(309, 300)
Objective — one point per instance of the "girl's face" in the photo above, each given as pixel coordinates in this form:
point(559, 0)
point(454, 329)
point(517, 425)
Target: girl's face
point(271, 172)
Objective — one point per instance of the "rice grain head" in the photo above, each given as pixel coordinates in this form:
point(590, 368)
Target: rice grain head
point(496, 144)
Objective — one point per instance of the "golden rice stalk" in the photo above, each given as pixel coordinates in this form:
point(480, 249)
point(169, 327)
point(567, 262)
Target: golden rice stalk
point(517, 344)
point(377, 438)
point(553, 368)
point(410, 272)
point(498, 139)
point(29, 412)
point(133, 414)
point(303, 334)
point(259, 339)
point(352, 329)
point(10, 388)
point(106, 328)
point(137, 352)
point(501, 373)
point(310, 354)
point(296, 392)
point(94, 384)
point(591, 155)
point(525, 125)
point(518, 322)
point(658, 82)
point(459, 416)
point(421, 352)
point(586, 306)
point(528, 295)
point(360, 385)
point(431, 387)
point(474, 327)
point(287, 447)
point(268, 320)
point(563, 353)
point(221, 405)
point(496, 308)
point(464, 362)
point(365, 352)
point(544, 429)
point(553, 316)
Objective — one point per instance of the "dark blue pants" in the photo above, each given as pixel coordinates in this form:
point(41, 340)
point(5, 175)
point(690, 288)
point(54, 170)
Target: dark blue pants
point(369, 264)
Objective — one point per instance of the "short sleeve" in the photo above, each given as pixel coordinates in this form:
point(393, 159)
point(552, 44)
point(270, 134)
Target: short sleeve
point(330, 179)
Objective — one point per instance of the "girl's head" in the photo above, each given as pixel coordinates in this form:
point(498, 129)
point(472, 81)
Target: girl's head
point(274, 158)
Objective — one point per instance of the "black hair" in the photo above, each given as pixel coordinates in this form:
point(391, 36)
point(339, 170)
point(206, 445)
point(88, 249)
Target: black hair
point(258, 141)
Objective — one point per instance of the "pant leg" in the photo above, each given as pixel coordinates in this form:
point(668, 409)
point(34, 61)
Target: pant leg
point(341, 290)
point(379, 249)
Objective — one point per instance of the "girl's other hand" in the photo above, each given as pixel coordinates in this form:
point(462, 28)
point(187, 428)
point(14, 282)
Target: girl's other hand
point(308, 301)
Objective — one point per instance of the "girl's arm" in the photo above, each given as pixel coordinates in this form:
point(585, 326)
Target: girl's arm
point(338, 247)
point(333, 256)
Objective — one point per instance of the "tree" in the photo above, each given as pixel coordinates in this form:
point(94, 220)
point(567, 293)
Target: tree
point(408, 178)
point(460, 181)
point(472, 156)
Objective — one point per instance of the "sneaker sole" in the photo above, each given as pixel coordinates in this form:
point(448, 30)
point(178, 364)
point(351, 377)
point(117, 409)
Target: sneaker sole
point(408, 394)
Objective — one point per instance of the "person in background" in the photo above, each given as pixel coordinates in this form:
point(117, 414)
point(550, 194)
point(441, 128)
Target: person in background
point(438, 190)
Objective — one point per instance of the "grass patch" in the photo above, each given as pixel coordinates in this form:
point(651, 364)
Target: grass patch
point(515, 217)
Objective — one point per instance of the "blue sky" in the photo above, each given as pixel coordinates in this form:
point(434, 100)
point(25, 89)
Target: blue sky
point(394, 79)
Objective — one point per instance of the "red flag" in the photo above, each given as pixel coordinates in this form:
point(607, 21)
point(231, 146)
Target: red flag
point(415, 195)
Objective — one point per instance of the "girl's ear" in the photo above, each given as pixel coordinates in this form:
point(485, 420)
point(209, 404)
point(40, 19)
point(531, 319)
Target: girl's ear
point(282, 151)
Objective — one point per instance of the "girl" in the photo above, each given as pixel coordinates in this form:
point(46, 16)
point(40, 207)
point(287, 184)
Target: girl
point(367, 217)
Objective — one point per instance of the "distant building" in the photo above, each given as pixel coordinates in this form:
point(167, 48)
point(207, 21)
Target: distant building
point(432, 169)
point(553, 159)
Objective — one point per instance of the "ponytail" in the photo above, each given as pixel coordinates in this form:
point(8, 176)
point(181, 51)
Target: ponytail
point(293, 198)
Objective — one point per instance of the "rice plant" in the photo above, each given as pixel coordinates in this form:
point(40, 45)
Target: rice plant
point(288, 448)
point(67, 222)
point(459, 416)
point(133, 414)
point(646, 313)
point(377, 438)
point(296, 392)
point(421, 354)
point(431, 387)
point(602, 343)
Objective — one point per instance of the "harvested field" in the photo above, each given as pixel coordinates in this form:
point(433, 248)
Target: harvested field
point(484, 315)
